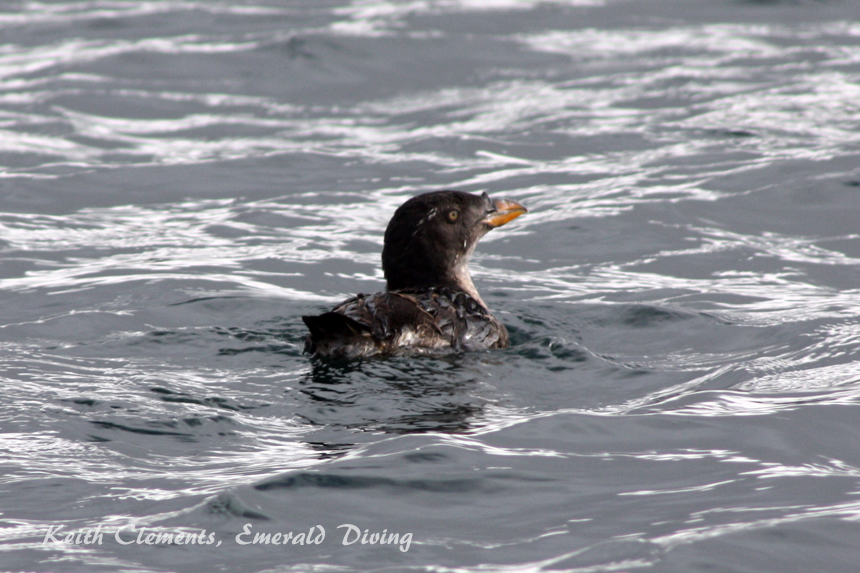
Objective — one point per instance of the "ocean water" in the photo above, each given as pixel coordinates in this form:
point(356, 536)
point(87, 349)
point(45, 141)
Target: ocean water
point(181, 180)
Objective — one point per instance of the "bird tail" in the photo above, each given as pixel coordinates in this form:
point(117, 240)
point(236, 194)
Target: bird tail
point(334, 325)
point(335, 335)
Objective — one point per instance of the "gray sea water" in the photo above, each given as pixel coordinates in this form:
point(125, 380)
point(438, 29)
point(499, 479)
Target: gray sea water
point(181, 180)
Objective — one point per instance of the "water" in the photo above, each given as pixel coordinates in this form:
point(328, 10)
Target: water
point(182, 180)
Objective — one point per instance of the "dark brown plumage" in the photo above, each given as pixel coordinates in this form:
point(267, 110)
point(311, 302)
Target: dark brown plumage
point(430, 304)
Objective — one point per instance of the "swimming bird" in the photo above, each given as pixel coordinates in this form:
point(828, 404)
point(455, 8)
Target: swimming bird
point(430, 305)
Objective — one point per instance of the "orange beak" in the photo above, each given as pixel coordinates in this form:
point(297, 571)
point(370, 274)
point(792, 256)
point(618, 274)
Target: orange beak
point(506, 211)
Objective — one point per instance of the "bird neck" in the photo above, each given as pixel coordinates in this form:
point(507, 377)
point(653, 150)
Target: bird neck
point(465, 284)
point(425, 277)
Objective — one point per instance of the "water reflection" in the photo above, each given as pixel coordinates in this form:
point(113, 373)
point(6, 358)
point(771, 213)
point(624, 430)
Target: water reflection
point(394, 395)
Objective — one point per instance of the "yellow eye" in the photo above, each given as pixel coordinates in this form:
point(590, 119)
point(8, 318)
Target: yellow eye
point(453, 215)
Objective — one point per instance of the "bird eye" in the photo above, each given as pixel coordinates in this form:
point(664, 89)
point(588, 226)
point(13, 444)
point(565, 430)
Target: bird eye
point(453, 215)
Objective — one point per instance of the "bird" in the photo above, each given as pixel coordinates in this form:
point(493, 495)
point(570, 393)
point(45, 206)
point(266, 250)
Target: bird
point(430, 304)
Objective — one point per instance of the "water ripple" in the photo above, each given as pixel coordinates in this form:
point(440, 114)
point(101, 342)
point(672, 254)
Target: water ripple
point(182, 180)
